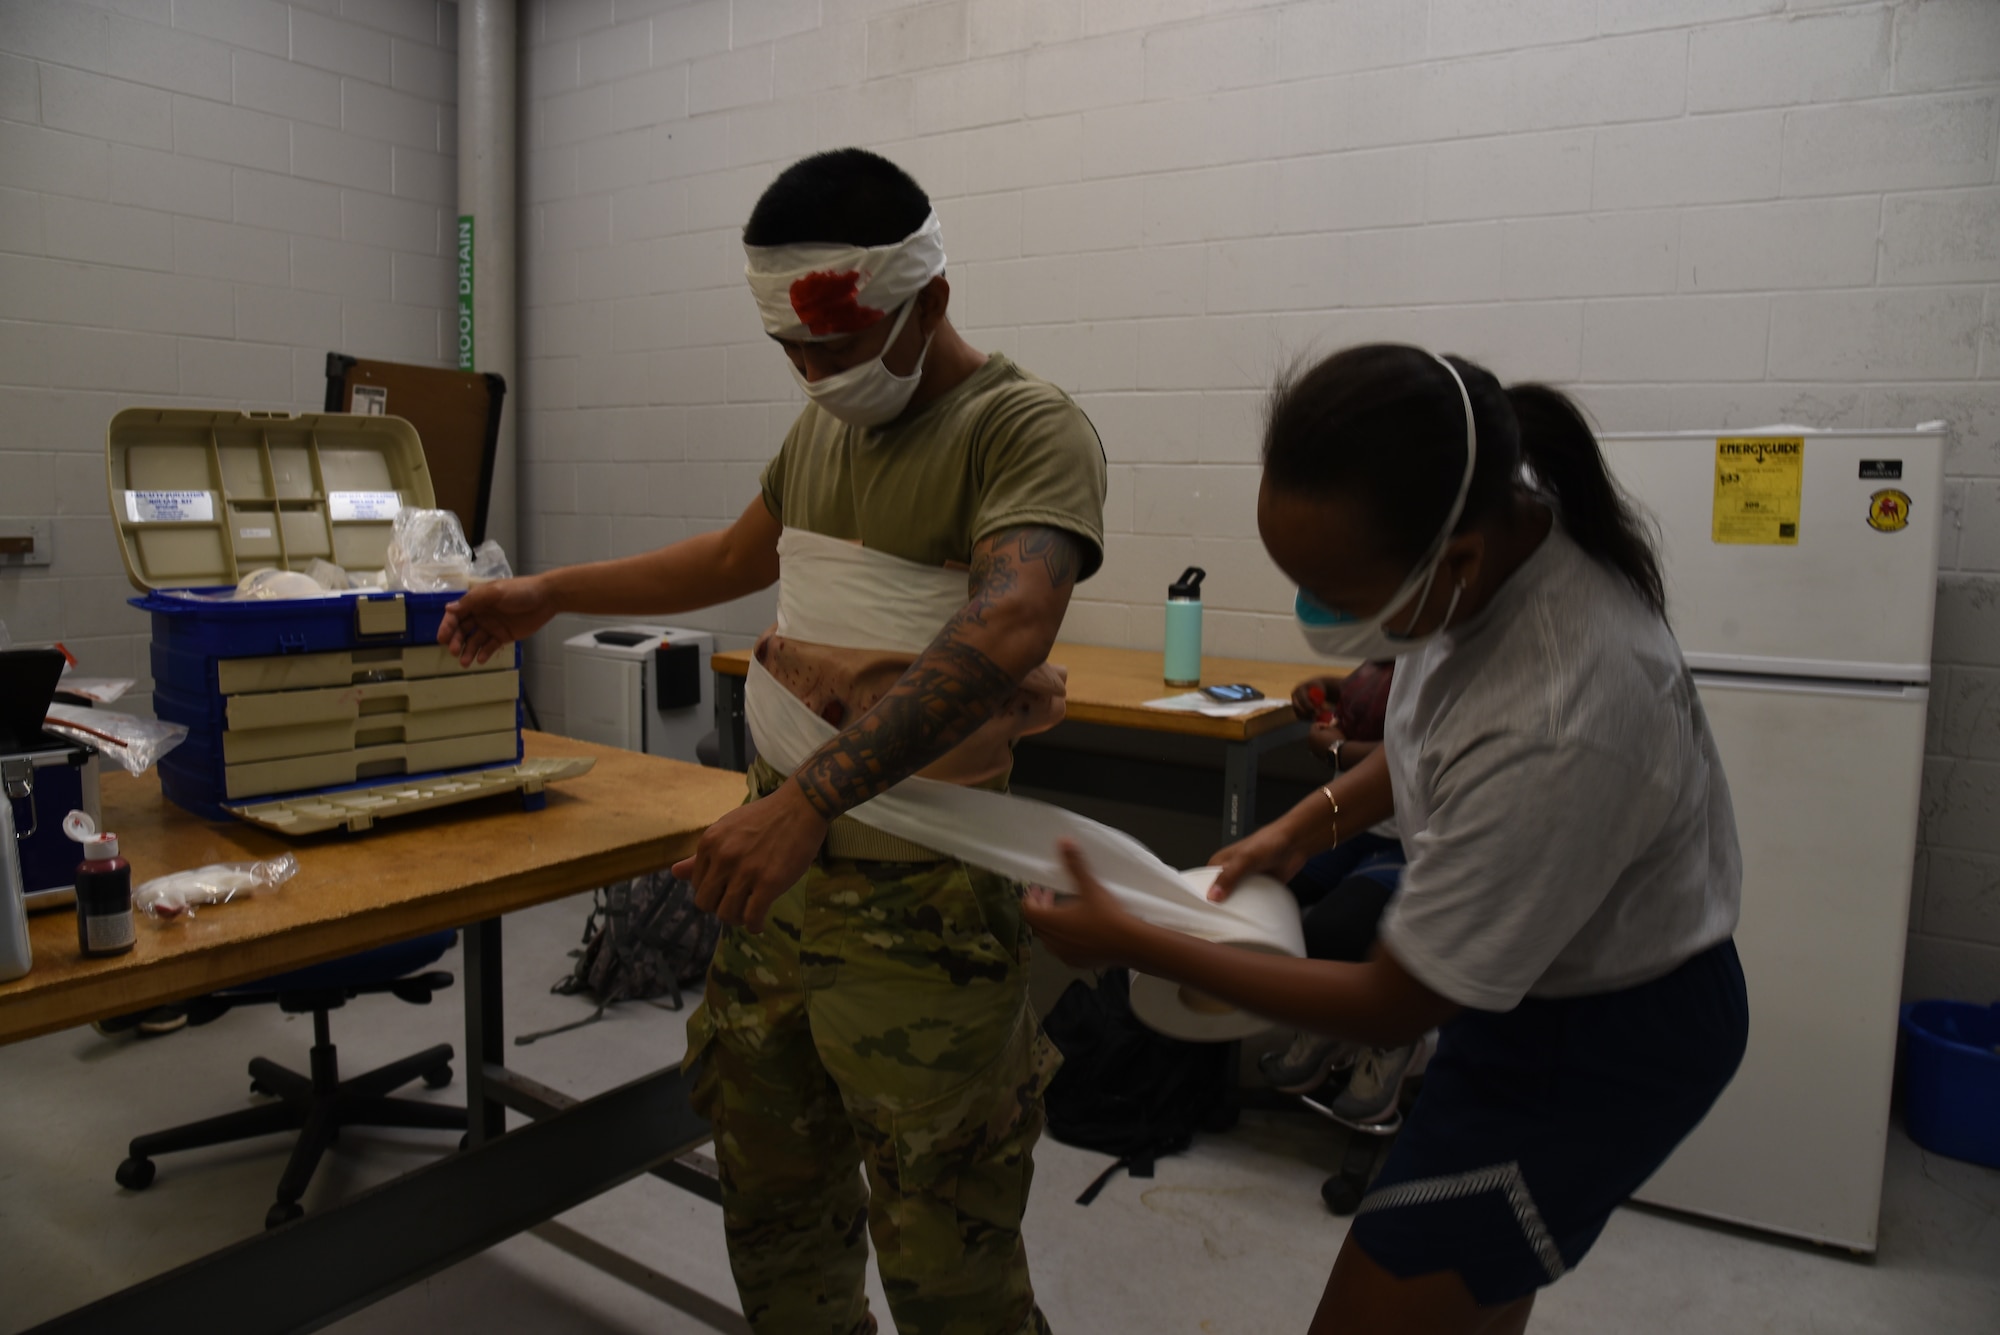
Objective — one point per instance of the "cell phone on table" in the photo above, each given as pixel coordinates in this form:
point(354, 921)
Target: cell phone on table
point(1234, 693)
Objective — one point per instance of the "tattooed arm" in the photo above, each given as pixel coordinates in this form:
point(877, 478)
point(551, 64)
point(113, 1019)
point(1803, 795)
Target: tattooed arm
point(1018, 590)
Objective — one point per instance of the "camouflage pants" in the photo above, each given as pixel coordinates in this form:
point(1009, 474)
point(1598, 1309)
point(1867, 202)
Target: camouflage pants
point(872, 1068)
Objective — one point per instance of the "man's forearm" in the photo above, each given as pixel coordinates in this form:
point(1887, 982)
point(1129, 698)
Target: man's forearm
point(1020, 588)
point(696, 572)
point(945, 696)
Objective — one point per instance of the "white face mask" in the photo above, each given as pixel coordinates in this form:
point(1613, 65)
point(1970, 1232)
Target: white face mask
point(870, 394)
point(1334, 634)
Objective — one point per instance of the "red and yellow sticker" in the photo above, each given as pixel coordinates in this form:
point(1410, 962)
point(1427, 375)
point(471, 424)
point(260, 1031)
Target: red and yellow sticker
point(1889, 511)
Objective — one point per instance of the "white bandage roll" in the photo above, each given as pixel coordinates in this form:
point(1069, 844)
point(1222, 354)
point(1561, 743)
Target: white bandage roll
point(846, 594)
point(1266, 920)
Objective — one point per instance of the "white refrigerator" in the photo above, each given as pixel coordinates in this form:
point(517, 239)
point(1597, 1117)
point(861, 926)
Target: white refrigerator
point(1801, 576)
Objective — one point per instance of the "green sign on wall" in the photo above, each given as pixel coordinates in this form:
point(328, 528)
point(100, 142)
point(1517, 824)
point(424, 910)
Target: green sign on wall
point(465, 292)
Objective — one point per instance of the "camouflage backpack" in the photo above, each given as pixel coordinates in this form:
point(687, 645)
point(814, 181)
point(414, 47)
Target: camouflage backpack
point(644, 939)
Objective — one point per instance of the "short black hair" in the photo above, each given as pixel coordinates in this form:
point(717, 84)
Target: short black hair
point(845, 195)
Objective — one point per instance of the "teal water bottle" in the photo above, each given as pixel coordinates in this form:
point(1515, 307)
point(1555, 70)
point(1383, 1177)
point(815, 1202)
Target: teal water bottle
point(1184, 628)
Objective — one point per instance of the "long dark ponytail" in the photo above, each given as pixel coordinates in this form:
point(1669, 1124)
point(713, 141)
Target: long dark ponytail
point(1561, 451)
point(1385, 421)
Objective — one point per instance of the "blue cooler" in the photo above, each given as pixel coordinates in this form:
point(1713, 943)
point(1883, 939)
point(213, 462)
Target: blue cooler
point(1951, 1079)
point(294, 698)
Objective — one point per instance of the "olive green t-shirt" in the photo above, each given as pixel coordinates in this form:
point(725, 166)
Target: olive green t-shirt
point(1003, 449)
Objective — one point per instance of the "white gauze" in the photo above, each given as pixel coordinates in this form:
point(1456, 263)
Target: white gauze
point(823, 290)
point(839, 593)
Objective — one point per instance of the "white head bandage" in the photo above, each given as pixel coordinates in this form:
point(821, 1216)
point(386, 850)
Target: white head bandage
point(821, 290)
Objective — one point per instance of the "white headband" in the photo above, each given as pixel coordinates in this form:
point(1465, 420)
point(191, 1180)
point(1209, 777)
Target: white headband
point(817, 291)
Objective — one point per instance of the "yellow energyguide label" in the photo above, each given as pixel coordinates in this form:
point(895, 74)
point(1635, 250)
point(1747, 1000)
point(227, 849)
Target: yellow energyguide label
point(1757, 484)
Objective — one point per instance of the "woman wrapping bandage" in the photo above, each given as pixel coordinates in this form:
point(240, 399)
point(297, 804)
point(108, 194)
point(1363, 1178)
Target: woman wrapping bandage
point(1566, 912)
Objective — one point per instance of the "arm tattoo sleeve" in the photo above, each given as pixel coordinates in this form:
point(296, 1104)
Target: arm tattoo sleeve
point(955, 685)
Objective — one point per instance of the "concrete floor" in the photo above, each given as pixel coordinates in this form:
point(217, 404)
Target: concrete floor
point(1228, 1239)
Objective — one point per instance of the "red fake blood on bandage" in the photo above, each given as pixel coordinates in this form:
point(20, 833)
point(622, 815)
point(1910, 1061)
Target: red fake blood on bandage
point(825, 303)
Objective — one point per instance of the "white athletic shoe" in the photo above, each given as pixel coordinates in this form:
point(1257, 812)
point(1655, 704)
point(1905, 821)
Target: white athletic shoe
point(1307, 1063)
point(1371, 1100)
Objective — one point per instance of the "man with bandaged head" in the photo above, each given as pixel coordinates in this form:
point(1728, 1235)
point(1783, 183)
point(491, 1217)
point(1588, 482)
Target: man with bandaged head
point(865, 1047)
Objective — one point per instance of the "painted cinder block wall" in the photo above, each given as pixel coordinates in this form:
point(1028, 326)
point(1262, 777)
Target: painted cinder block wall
point(199, 199)
point(1693, 212)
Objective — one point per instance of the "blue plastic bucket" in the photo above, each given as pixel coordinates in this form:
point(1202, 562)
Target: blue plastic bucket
point(1951, 1079)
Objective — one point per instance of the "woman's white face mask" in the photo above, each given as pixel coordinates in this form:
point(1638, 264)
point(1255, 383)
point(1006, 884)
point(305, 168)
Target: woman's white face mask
point(870, 394)
point(1336, 634)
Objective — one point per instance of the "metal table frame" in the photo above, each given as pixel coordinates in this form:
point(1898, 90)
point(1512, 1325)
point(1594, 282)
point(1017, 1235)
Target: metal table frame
point(336, 1260)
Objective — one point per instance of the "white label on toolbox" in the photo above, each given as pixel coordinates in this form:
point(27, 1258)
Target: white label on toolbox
point(364, 505)
point(253, 532)
point(170, 507)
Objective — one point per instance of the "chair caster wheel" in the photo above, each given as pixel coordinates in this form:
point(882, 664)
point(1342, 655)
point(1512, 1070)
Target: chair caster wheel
point(136, 1174)
point(257, 1089)
point(438, 1076)
point(284, 1212)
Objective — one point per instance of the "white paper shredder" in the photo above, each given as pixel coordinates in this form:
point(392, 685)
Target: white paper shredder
point(643, 688)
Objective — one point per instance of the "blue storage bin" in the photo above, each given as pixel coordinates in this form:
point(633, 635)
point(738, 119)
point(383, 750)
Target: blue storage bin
point(1951, 1079)
point(192, 627)
point(200, 498)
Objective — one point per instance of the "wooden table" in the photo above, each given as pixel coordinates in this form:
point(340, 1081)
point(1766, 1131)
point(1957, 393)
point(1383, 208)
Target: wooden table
point(461, 866)
point(1110, 687)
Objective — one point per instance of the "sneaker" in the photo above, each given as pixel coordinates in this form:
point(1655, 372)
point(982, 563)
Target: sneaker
point(1369, 1103)
point(1306, 1064)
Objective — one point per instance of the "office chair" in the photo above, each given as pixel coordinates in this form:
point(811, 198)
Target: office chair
point(320, 1104)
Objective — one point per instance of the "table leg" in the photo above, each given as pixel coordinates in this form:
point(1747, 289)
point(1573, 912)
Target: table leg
point(730, 733)
point(1239, 789)
point(485, 1031)
point(1239, 777)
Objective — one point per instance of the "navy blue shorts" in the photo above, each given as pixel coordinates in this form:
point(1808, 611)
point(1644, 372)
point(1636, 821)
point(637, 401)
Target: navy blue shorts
point(1536, 1123)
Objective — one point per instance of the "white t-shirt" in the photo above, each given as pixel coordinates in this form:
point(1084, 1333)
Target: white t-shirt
point(1559, 794)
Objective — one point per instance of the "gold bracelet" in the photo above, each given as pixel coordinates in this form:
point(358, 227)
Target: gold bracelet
point(1327, 792)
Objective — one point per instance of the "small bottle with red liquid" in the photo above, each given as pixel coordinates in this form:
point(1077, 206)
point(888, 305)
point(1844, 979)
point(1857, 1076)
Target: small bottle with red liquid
point(104, 921)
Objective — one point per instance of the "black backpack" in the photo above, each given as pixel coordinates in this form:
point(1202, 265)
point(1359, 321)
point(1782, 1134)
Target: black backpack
point(1127, 1091)
point(645, 938)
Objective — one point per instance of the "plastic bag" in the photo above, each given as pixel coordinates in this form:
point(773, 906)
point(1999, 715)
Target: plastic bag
point(261, 586)
point(329, 576)
point(490, 563)
point(427, 552)
point(97, 690)
point(169, 898)
point(264, 585)
point(131, 741)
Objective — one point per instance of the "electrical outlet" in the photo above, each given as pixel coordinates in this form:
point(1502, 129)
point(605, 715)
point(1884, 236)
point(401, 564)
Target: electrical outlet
point(25, 542)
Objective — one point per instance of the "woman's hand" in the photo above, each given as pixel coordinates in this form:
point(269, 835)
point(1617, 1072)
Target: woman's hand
point(1087, 929)
point(1313, 698)
point(1270, 851)
point(1322, 738)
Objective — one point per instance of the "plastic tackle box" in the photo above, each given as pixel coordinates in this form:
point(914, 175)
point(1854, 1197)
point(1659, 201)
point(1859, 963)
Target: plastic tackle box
point(296, 698)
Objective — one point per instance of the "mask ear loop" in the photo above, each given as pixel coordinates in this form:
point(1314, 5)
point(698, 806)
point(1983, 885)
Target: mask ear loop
point(1433, 556)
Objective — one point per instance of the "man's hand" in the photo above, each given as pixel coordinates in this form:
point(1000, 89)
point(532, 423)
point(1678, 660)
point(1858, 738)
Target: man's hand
point(1086, 930)
point(753, 855)
point(492, 616)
